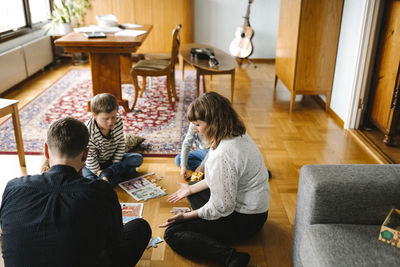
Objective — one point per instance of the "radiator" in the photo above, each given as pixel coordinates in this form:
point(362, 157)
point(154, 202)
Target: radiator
point(23, 61)
point(38, 54)
point(12, 68)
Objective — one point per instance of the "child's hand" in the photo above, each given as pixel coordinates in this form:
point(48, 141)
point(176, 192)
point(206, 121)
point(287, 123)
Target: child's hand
point(184, 173)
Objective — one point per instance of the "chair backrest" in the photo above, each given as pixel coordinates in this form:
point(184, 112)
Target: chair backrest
point(176, 42)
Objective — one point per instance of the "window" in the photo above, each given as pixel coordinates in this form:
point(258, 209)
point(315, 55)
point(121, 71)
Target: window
point(21, 16)
point(40, 10)
point(12, 15)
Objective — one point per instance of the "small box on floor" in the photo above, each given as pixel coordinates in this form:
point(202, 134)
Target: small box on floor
point(390, 230)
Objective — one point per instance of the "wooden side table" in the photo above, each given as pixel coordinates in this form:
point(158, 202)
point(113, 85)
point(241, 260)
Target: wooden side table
point(9, 106)
point(227, 64)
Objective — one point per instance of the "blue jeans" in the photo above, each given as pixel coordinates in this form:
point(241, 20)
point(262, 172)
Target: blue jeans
point(194, 159)
point(117, 172)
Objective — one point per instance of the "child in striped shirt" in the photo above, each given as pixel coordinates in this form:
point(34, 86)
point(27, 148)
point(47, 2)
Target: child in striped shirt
point(107, 159)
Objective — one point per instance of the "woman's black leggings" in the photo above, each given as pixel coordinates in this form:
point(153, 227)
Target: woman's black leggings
point(206, 239)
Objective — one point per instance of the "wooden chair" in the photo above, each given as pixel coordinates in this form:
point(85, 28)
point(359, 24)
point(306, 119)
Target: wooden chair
point(158, 67)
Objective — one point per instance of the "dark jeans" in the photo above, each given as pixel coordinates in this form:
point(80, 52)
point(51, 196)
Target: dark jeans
point(134, 240)
point(207, 239)
point(117, 172)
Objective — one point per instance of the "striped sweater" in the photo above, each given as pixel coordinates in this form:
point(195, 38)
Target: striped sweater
point(102, 148)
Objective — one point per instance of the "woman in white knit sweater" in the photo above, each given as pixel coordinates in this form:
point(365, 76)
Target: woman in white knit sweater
point(232, 202)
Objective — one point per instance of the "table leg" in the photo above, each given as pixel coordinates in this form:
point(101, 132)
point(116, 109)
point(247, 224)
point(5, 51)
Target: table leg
point(18, 136)
point(182, 65)
point(136, 86)
point(126, 65)
point(197, 82)
point(106, 76)
point(232, 84)
point(125, 104)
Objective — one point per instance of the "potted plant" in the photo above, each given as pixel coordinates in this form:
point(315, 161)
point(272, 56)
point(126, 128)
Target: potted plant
point(67, 14)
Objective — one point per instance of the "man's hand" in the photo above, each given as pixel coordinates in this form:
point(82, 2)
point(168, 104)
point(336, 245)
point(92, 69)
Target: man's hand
point(184, 191)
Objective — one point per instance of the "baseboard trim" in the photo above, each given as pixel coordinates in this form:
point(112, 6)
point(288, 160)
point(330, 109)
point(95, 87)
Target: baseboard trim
point(263, 60)
point(368, 145)
point(359, 136)
point(332, 113)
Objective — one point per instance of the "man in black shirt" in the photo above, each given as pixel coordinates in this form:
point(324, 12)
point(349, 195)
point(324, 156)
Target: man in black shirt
point(59, 218)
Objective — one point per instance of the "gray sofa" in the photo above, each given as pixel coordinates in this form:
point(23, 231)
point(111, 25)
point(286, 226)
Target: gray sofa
point(339, 212)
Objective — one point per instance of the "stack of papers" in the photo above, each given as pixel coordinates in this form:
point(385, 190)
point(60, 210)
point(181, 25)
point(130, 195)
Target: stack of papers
point(95, 28)
point(131, 33)
point(131, 25)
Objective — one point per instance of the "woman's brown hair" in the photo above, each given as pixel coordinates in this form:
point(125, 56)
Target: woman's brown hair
point(222, 120)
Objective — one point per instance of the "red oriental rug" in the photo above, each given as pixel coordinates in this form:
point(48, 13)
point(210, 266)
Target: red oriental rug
point(153, 117)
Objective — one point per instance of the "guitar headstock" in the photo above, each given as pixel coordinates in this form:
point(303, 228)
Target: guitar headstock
point(251, 1)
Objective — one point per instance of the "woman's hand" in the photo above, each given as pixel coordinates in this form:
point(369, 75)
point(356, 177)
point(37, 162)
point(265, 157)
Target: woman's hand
point(200, 168)
point(184, 191)
point(174, 219)
point(180, 218)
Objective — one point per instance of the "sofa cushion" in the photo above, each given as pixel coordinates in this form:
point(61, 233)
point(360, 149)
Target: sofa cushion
point(346, 245)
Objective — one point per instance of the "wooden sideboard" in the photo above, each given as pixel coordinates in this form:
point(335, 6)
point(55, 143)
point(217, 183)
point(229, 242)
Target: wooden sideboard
point(306, 47)
point(164, 15)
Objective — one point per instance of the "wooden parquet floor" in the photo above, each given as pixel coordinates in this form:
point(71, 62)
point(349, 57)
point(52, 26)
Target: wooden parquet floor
point(287, 141)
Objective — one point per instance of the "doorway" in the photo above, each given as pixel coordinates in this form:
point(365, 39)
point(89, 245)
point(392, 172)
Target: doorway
point(381, 118)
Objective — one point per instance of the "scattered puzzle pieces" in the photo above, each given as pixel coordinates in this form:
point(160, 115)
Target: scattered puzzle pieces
point(154, 241)
point(179, 210)
point(196, 177)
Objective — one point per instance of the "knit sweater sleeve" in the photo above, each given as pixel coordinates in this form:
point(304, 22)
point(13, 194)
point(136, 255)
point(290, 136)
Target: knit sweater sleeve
point(222, 179)
point(118, 135)
point(187, 145)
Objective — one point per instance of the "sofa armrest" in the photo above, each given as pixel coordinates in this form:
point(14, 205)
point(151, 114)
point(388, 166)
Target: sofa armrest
point(344, 194)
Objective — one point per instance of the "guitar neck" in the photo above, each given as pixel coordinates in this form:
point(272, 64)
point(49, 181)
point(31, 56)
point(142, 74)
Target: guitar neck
point(246, 22)
point(247, 17)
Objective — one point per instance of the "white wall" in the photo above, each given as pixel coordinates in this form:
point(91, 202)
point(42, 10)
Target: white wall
point(217, 20)
point(347, 56)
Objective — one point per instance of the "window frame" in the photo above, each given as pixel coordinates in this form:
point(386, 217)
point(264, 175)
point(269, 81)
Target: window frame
point(28, 28)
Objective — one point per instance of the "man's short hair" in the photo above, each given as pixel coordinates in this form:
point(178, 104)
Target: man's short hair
point(103, 103)
point(67, 137)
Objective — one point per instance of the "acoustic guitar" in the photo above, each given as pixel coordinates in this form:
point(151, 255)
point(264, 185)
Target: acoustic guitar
point(242, 46)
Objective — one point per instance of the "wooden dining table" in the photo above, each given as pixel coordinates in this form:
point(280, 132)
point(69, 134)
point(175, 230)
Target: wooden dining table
point(110, 59)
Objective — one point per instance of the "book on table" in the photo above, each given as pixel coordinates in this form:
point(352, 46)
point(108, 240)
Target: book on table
point(91, 35)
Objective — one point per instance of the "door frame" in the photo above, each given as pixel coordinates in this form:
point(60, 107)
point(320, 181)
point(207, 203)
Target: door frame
point(363, 71)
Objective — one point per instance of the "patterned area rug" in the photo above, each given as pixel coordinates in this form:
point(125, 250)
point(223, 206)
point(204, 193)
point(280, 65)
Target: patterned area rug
point(153, 117)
